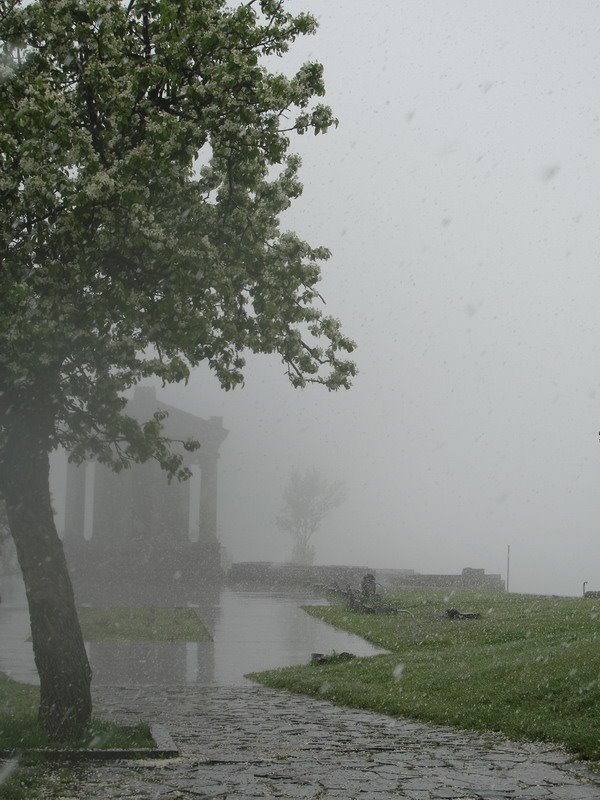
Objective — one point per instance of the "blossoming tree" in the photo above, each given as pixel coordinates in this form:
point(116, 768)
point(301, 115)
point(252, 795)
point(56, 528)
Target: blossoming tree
point(144, 165)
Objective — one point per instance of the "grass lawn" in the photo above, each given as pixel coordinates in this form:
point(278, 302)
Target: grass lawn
point(142, 625)
point(19, 730)
point(41, 782)
point(529, 668)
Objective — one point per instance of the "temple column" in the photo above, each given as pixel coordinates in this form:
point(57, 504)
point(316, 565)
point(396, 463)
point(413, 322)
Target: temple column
point(209, 550)
point(173, 511)
point(193, 527)
point(208, 497)
point(112, 506)
point(74, 543)
point(146, 494)
point(75, 501)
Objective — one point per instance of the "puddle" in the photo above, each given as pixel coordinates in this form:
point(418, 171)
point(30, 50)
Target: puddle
point(251, 631)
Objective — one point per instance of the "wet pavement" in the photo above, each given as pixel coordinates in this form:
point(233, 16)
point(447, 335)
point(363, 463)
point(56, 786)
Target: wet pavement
point(238, 740)
point(252, 742)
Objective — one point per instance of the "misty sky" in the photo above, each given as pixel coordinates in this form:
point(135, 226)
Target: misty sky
point(460, 198)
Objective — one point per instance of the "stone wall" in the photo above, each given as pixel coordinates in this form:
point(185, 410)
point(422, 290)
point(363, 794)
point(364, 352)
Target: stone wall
point(266, 573)
point(468, 579)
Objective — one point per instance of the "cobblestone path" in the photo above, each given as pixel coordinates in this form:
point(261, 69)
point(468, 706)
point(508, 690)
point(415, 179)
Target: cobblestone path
point(256, 743)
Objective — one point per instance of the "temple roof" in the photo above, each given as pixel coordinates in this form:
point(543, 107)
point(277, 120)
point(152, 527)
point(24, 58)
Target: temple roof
point(179, 424)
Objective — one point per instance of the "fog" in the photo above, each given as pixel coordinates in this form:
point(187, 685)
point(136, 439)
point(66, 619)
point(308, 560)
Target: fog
point(460, 198)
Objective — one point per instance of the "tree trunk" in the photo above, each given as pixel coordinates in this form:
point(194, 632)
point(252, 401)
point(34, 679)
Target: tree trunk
point(60, 657)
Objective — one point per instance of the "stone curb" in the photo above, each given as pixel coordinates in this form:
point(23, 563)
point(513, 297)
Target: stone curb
point(165, 748)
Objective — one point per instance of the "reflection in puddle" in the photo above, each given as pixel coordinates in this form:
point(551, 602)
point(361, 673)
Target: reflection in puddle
point(142, 663)
point(262, 631)
point(251, 631)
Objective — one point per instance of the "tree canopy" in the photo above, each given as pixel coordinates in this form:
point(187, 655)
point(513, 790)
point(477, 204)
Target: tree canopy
point(143, 168)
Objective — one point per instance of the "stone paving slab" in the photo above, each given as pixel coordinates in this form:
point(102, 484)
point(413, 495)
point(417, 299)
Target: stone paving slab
point(257, 743)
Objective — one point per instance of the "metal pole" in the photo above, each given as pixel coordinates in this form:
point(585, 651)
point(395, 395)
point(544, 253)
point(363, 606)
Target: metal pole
point(507, 568)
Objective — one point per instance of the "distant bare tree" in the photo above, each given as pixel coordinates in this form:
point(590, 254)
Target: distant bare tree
point(307, 499)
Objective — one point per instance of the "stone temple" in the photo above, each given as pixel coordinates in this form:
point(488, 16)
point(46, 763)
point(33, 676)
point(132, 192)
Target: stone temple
point(133, 537)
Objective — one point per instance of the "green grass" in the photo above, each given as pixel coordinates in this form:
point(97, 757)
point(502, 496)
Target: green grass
point(529, 668)
point(142, 625)
point(41, 782)
point(20, 730)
